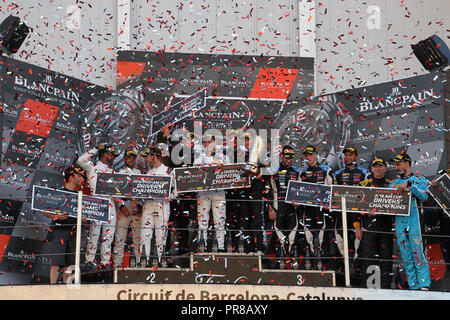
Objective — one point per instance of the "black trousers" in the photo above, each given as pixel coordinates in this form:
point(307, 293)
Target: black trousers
point(376, 249)
point(184, 215)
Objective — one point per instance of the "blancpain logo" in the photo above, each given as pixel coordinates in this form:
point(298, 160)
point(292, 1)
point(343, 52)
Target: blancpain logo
point(396, 99)
point(47, 88)
point(21, 256)
point(427, 160)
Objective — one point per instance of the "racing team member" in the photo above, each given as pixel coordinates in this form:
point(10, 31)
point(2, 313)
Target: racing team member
point(130, 212)
point(285, 214)
point(352, 174)
point(184, 208)
point(407, 228)
point(106, 229)
point(377, 238)
point(62, 230)
point(237, 205)
point(213, 200)
point(315, 219)
point(156, 212)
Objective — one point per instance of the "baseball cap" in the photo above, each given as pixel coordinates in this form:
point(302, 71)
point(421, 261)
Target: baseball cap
point(350, 149)
point(402, 157)
point(378, 161)
point(110, 149)
point(70, 171)
point(152, 151)
point(310, 150)
point(130, 152)
point(288, 152)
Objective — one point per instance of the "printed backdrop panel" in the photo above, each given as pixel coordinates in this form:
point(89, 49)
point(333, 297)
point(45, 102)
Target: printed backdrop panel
point(40, 126)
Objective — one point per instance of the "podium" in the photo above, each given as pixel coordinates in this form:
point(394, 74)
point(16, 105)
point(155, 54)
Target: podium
point(226, 268)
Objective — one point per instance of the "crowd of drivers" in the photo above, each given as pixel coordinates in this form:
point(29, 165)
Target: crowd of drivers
point(255, 219)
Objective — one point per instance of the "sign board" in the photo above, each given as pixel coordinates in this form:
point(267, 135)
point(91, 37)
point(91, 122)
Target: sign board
point(211, 178)
point(361, 200)
point(133, 185)
point(60, 201)
point(179, 111)
point(308, 194)
point(441, 192)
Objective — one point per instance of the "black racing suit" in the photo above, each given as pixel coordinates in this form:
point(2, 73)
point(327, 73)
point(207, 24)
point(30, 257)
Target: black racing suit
point(259, 195)
point(351, 177)
point(377, 239)
point(286, 224)
point(238, 210)
point(315, 220)
point(183, 211)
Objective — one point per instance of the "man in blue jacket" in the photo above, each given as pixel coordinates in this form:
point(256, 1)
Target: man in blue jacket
point(407, 228)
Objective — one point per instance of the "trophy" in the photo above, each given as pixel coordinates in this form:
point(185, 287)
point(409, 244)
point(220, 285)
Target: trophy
point(255, 150)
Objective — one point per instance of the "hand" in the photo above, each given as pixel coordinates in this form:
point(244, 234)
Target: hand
point(124, 210)
point(61, 217)
point(272, 214)
point(358, 233)
point(134, 204)
point(166, 131)
point(372, 212)
point(434, 182)
point(401, 187)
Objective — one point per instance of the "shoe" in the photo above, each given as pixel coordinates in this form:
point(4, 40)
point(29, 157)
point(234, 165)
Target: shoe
point(91, 266)
point(425, 288)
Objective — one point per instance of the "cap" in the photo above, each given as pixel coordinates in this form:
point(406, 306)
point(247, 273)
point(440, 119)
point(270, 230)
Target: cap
point(130, 152)
point(402, 157)
point(378, 161)
point(70, 171)
point(152, 151)
point(310, 150)
point(110, 149)
point(350, 149)
point(288, 152)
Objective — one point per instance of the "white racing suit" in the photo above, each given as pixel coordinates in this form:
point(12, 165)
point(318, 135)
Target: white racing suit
point(155, 217)
point(105, 228)
point(123, 222)
point(211, 200)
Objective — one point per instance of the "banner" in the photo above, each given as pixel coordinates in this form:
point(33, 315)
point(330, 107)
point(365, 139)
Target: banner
point(441, 192)
point(211, 178)
point(243, 91)
point(362, 200)
point(133, 186)
point(60, 201)
point(380, 120)
point(179, 111)
point(40, 112)
point(308, 194)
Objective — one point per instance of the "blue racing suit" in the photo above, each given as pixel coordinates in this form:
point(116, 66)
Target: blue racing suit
point(409, 236)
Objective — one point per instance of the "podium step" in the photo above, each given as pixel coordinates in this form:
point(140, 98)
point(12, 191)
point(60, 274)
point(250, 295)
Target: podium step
point(225, 268)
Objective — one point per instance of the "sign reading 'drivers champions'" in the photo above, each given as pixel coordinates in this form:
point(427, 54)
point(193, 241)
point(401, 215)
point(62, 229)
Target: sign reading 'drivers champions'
point(133, 185)
point(60, 201)
point(358, 199)
point(361, 200)
point(211, 178)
